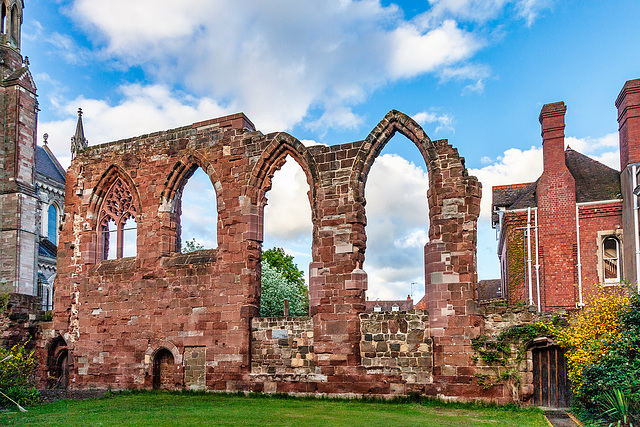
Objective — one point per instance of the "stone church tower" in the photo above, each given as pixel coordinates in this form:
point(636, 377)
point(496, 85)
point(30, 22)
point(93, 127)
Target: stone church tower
point(18, 121)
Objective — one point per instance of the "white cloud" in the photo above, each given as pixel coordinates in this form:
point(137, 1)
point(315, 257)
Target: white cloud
point(287, 215)
point(397, 227)
point(279, 60)
point(444, 121)
point(514, 166)
point(416, 52)
point(485, 10)
point(143, 109)
point(415, 239)
point(477, 87)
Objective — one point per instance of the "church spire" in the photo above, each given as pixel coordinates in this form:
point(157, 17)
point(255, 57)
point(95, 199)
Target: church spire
point(78, 141)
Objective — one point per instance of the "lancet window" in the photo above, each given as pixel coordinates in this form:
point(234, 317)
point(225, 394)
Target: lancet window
point(117, 223)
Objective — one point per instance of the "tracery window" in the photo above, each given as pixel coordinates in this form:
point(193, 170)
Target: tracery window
point(117, 223)
point(611, 259)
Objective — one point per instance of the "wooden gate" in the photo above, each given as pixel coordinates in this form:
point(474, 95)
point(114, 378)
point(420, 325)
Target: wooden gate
point(551, 387)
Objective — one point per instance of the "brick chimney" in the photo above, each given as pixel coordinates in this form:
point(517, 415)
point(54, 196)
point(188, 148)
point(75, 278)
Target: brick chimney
point(628, 105)
point(556, 198)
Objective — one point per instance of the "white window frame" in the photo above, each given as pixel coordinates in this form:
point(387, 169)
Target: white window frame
point(617, 260)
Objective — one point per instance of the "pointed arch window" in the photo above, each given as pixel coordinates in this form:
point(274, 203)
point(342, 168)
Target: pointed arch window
point(15, 28)
point(52, 224)
point(117, 223)
point(3, 17)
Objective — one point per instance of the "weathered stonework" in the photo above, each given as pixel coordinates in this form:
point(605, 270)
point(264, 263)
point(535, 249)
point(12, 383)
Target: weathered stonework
point(282, 345)
point(397, 344)
point(117, 318)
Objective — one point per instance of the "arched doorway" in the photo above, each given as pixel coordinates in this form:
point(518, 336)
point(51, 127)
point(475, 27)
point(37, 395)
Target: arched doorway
point(164, 370)
point(58, 362)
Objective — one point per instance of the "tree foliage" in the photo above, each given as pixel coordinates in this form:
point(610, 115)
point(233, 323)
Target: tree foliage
point(281, 279)
point(191, 246)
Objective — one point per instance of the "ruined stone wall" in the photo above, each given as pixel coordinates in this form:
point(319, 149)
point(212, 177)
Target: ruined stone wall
point(398, 344)
point(282, 345)
point(510, 376)
point(116, 316)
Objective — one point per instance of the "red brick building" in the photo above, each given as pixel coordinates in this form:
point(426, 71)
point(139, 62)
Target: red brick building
point(577, 225)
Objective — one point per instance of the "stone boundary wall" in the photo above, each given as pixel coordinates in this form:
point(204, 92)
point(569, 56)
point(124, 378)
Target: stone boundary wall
point(397, 343)
point(282, 345)
point(19, 315)
point(517, 382)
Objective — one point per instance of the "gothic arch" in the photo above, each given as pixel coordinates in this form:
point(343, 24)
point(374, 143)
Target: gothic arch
point(182, 171)
point(272, 159)
point(152, 350)
point(393, 122)
point(101, 189)
point(129, 207)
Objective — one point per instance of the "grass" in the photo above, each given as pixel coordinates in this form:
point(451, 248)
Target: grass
point(192, 409)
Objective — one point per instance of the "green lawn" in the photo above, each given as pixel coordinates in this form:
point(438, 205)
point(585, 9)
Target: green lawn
point(184, 409)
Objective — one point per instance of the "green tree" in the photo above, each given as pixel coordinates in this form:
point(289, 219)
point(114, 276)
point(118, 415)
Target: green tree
point(281, 279)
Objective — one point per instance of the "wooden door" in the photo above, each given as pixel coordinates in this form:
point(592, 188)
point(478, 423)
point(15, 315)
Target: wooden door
point(550, 383)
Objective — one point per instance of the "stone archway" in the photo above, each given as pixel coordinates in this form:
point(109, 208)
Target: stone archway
point(58, 364)
point(164, 370)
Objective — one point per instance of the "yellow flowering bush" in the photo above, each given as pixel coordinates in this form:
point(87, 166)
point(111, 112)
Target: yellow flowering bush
point(17, 368)
point(593, 332)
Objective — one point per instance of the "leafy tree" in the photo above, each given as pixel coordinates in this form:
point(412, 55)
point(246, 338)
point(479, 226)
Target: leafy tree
point(281, 279)
point(191, 246)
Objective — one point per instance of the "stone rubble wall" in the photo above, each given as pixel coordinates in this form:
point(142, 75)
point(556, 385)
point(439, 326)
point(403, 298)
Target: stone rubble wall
point(398, 344)
point(499, 318)
point(282, 345)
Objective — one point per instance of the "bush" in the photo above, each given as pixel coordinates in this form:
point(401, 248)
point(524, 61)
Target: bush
point(17, 375)
point(603, 353)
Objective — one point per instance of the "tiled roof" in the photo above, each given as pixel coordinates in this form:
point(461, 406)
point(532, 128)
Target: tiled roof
point(48, 249)
point(594, 181)
point(422, 304)
point(47, 165)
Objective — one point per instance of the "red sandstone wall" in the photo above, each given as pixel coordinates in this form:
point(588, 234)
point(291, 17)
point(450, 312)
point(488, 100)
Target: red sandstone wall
point(116, 315)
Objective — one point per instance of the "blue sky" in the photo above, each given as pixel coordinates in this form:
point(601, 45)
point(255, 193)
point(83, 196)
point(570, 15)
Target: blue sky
point(475, 72)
